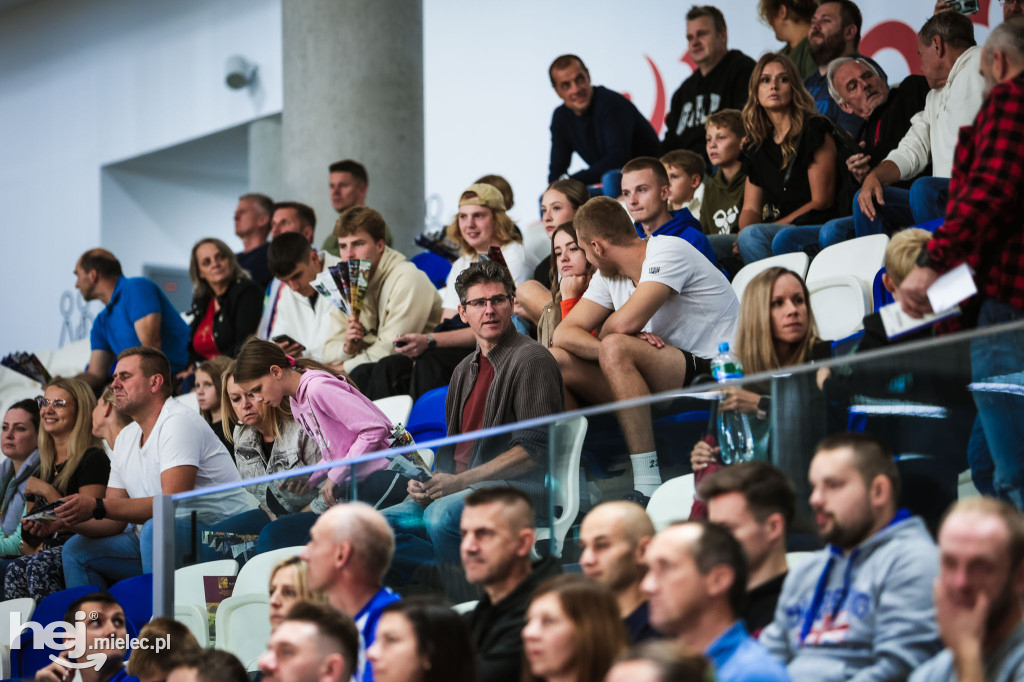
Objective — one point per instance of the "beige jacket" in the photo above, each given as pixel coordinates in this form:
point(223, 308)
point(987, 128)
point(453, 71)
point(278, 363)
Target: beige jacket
point(399, 300)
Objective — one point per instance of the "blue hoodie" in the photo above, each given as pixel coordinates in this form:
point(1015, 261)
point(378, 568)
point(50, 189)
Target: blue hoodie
point(684, 226)
point(867, 614)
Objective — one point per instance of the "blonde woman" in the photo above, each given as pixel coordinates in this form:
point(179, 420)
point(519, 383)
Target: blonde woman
point(776, 329)
point(226, 303)
point(70, 461)
point(289, 584)
point(790, 158)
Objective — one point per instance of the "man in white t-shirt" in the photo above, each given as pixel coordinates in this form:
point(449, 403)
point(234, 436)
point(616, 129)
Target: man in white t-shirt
point(167, 449)
point(662, 308)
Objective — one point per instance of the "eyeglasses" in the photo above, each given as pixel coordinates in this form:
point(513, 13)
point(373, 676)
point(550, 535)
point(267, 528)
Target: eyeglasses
point(496, 301)
point(58, 403)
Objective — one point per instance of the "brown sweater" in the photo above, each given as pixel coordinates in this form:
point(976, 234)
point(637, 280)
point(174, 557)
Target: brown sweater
point(527, 385)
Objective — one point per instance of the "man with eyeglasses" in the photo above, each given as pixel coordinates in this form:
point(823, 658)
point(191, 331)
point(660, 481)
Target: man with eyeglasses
point(508, 379)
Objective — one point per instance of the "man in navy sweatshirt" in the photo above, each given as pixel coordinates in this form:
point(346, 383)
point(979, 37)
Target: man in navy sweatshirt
point(861, 607)
point(600, 125)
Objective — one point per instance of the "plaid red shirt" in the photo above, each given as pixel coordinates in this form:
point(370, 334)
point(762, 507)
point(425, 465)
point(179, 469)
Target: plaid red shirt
point(985, 215)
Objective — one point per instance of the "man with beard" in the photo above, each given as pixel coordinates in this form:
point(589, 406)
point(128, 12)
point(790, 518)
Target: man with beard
point(861, 607)
point(835, 32)
point(661, 307)
point(978, 594)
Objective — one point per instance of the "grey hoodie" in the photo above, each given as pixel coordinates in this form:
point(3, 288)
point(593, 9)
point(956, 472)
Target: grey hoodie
point(14, 508)
point(875, 618)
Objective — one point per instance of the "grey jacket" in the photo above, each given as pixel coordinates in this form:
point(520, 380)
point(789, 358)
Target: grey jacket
point(14, 508)
point(292, 449)
point(867, 616)
point(1004, 664)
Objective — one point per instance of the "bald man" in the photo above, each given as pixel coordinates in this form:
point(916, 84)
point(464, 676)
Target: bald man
point(614, 537)
point(349, 551)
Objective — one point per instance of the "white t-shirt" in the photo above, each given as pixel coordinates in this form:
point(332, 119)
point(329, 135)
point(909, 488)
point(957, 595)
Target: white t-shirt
point(520, 264)
point(180, 438)
point(702, 310)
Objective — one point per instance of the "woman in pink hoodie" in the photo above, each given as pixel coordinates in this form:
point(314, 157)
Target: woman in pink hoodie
point(340, 419)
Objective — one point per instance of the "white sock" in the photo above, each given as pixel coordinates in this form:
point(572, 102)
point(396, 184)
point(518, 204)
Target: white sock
point(646, 474)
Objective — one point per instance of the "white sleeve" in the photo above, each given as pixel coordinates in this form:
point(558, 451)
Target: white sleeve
point(449, 299)
point(913, 152)
point(599, 292)
point(518, 262)
point(180, 443)
point(669, 261)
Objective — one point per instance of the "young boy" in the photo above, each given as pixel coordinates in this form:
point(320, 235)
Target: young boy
point(723, 193)
point(900, 257)
point(685, 180)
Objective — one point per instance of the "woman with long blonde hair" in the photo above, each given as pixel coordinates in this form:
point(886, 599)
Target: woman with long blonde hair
point(790, 158)
point(776, 329)
point(70, 461)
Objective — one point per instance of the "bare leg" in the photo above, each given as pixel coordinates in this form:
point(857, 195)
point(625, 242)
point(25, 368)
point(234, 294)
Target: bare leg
point(581, 378)
point(635, 368)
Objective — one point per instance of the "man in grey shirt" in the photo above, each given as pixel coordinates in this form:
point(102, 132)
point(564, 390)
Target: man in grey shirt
point(978, 595)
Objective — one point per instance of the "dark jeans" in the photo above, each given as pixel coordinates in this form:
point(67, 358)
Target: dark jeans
point(399, 375)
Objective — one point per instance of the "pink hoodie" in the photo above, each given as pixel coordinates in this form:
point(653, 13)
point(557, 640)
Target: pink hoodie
point(342, 421)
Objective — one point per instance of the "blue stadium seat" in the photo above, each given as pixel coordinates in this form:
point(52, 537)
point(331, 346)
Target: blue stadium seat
point(879, 294)
point(435, 267)
point(427, 419)
point(931, 225)
point(135, 595)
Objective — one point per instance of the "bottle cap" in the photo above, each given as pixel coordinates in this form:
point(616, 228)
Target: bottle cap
point(723, 347)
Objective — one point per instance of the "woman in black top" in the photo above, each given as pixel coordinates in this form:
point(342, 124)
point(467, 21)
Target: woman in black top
point(71, 460)
point(790, 158)
point(226, 303)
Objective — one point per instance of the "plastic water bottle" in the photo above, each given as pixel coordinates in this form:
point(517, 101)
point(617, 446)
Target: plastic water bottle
point(734, 436)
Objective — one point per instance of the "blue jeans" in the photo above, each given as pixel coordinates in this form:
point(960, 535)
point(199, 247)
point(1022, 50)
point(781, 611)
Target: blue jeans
point(287, 531)
point(427, 536)
point(756, 241)
point(924, 201)
point(835, 231)
point(796, 238)
point(999, 362)
point(251, 522)
point(101, 561)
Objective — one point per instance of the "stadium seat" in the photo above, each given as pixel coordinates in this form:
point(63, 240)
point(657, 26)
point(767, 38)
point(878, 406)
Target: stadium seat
point(860, 258)
point(880, 296)
point(671, 502)
point(24, 607)
point(243, 627)
point(565, 486)
point(839, 304)
point(797, 262)
point(396, 408)
point(190, 594)
point(427, 419)
point(435, 267)
point(135, 595)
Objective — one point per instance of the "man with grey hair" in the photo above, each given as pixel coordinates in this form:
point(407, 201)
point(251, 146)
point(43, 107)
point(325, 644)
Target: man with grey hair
point(950, 60)
point(252, 226)
point(349, 551)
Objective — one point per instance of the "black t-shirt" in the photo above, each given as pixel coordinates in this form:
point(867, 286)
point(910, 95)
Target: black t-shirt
point(761, 601)
point(542, 273)
point(788, 187)
point(93, 469)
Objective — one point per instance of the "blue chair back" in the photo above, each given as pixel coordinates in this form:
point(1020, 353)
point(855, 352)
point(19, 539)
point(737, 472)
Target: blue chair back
point(932, 225)
point(879, 294)
point(135, 595)
point(434, 266)
point(427, 418)
point(26, 660)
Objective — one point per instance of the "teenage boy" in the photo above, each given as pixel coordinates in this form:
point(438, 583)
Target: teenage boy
point(723, 191)
point(685, 180)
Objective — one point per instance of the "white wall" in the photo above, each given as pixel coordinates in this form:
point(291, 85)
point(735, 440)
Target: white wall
point(87, 84)
point(488, 99)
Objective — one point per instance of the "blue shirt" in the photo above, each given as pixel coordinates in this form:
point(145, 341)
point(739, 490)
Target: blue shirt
point(134, 298)
point(366, 621)
point(738, 657)
point(686, 227)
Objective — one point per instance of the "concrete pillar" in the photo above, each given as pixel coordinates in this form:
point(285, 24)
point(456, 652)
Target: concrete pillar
point(265, 157)
point(353, 88)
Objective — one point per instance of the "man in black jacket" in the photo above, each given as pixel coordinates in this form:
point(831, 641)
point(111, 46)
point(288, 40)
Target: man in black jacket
point(497, 538)
point(720, 81)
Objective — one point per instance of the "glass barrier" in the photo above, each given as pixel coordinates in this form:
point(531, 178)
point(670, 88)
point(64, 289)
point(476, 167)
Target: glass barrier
point(920, 398)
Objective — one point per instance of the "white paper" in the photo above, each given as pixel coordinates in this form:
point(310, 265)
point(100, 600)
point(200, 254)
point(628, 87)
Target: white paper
point(898, 323)
point(949, 289)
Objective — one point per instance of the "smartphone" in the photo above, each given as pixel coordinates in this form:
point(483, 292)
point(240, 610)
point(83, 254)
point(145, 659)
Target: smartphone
point(284, 338)
point(398, 343)
point(45, 513)
point(965, 6)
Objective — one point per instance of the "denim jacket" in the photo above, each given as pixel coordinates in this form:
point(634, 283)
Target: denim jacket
point(292, 449)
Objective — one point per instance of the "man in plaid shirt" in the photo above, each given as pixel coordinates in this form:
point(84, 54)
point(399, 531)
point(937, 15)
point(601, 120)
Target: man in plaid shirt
point(985, 228)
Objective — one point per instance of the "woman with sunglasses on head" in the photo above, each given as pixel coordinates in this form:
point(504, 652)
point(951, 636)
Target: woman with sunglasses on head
point(19, 443)
point(71, 461)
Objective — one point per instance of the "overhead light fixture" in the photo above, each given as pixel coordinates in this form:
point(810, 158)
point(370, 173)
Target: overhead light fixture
point(239, 73)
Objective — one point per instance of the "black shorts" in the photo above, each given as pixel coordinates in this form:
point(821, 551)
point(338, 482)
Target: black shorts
point(696, 366)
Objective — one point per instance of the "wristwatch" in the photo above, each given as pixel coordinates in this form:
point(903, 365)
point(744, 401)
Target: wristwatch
point(100, 512)
point(431, 341)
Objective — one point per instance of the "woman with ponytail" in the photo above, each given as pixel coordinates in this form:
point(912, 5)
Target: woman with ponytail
point(343, 422)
